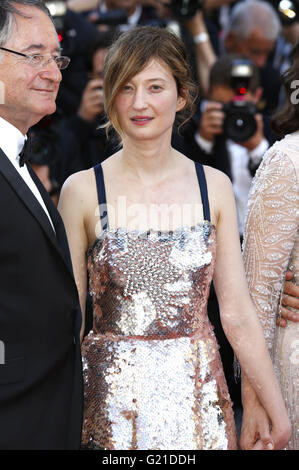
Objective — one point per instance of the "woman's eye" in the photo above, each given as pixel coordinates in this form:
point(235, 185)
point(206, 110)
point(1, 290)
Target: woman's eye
point(156, 88)
point(126, 88)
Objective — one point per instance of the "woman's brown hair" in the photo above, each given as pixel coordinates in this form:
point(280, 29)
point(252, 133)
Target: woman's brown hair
point(130, 54)
point(287, 120)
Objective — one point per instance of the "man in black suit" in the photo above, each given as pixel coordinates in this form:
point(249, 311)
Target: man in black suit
point(41, 377)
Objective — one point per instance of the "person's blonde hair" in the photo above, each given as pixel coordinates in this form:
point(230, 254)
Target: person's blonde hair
point(132, 52)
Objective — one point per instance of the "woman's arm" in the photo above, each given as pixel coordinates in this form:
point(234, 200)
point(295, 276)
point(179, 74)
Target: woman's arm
point(238, 316)
point(257, 432)
point(72, 208)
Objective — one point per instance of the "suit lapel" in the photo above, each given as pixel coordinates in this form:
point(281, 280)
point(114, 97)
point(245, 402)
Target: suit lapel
point(29, 200)
point(61, 237)
point(56, 219)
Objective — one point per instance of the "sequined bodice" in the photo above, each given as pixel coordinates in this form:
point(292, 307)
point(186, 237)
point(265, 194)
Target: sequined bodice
point(159, 281)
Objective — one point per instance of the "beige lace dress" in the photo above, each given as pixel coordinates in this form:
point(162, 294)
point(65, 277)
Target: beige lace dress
point(271, 247)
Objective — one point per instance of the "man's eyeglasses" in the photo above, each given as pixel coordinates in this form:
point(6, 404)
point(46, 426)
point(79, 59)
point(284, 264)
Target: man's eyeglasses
point(38, 60)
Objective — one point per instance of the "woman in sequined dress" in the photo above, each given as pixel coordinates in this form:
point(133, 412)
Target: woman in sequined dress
point(148, 219)
point(271, 246)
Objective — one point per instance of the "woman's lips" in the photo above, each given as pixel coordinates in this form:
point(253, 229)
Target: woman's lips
point(141, 120)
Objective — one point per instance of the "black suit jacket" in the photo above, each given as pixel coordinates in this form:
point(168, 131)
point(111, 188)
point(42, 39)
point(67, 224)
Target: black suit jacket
point(41, 390)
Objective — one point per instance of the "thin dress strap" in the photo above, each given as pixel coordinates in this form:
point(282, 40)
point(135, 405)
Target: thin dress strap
point(101, 196)
point(203, 190)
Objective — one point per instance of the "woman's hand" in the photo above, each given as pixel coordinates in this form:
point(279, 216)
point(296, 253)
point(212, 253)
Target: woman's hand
point(256, 429)
point(258, 432)
point(290, 299)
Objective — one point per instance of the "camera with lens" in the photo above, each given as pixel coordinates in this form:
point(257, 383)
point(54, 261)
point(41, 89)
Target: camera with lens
point(185, 8)
point(239, 122)
point(288, 11)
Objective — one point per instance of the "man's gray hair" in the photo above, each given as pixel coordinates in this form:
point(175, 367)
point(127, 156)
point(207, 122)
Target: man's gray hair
point(8, 10)
point(247, 15)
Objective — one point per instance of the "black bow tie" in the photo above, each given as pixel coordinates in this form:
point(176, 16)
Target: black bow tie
point(25, 153)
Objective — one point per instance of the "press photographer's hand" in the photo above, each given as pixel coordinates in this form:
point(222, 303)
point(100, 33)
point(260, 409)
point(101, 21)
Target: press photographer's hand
point(211, 123)
point(92, 100)
point(257, 137)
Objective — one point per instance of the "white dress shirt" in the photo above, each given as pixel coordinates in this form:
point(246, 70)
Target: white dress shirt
point(11, 142)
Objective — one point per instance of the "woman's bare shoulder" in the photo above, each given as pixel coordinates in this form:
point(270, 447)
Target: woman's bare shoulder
point(220, 192)
point(216, 179)
point(79, 189)
point(78, 180)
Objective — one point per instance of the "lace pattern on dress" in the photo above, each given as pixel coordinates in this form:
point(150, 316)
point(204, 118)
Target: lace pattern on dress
point(270, 232)
point(270, 247)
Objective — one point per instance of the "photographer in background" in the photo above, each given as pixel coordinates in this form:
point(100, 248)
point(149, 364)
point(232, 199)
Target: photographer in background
point(213, 146)
point(253, 29)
